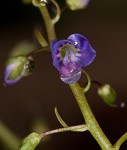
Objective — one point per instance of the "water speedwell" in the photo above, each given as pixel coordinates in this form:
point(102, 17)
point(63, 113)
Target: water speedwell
point(70, 55)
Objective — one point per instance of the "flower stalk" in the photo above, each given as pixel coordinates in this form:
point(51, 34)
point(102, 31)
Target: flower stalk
point(120, 141)
point(80, 128)
point(89, 118)
point(48, 23)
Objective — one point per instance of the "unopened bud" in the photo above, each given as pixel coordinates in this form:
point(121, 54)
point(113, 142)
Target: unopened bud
point(30, 142)
point(16, 68)
point(77, 4)
point(108, 95)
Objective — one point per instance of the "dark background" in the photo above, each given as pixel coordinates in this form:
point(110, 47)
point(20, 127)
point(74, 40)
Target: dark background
point(104, 23)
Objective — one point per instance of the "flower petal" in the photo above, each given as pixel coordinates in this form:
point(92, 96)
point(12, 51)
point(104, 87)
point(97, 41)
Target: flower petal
point(87, 53)
point(55, 47)
point(71, 79)
point(79, 41)
point(87, 57)
point(8, 70)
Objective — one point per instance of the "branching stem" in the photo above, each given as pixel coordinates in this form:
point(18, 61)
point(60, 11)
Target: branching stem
point(82, 127)
point(89, 118)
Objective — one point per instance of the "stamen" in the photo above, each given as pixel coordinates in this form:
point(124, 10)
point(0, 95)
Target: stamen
point(73, 57)
point(66, 59)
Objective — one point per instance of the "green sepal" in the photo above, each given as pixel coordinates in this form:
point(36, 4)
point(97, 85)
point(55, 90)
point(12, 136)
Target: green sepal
point(30, 142)
point(18, 63)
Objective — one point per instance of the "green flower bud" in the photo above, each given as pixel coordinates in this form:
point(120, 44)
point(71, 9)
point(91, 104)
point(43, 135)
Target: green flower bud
point(16, 68)
point(30, 142)
point(108, 95)
point(77, 4)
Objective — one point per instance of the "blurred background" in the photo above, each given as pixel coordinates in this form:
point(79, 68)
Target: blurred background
point(104, 23)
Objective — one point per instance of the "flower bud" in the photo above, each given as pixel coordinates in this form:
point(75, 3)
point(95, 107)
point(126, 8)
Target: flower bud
point(30, 142)
point(77, 4)
point(16, 68)
point(39, 3)
point(108, 95)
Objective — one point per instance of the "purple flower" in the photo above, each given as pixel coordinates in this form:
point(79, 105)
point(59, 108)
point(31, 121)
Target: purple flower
point(70, 55)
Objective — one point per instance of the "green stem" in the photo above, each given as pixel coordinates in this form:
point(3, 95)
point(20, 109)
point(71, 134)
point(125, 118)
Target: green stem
point(57, 17)
point(122, 139)
point(10, 141)
point(89, 118)
point(81, 128)
point(89, 81)
point(44, 49)
point(48, 23)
